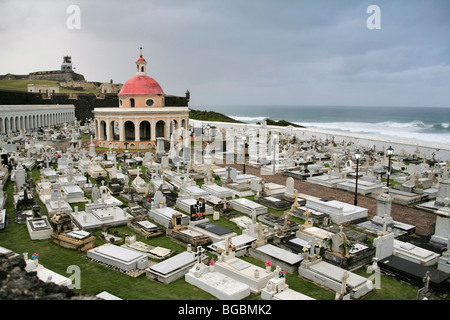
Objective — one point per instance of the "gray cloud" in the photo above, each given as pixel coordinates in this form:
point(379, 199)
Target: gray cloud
point(244, 52)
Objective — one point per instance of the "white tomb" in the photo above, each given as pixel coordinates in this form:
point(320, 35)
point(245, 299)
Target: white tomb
point(193, 191)
point(172, 268)
point(44, 274)
point(98, 214)
point(163, 216)
point(339, 212)
point(139, 184)
point(215, 283)
point(415, 254)
point(186, 203)
point(218, 191)
point(277, 289)
point(247, 206)
point(39, 228)
point(124, 259)
point(287, 260)
point(241, 242)
point(95, 170)
point(73, 193)
point(49, 174)
point(271, 189)
point(332, 277)
point(442, 229)
point(54, 206)
point(364, 187)
point(253, 276)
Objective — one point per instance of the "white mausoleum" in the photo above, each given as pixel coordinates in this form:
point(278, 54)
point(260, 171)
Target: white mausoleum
point(144, 113)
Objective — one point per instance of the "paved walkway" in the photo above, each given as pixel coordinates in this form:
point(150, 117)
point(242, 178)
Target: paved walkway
point(423, 221)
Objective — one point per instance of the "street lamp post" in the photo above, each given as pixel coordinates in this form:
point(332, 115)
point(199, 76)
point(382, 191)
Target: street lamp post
point(274, 153)
point(244, 144)
point(357, 156)
point(389, 152)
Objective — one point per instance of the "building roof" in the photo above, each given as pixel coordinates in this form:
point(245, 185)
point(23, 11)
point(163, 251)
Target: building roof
point(141, 85)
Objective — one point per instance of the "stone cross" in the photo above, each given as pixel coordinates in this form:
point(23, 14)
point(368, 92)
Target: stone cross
point(307, 222)
point(253, 216)
point(295, 204)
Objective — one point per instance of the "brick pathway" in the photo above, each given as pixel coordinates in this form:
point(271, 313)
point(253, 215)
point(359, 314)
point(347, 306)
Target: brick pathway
point(423, 221)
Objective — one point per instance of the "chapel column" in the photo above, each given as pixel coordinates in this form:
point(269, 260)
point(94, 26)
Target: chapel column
point(137, 136)
point(153, 130)
point(121, 132)
point(108, 128)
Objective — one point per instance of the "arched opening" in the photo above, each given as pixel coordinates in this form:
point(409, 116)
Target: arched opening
point(114, 130)
point(132, 102)
point(160, 129)
point(144, 130)
point(102, 130)
point(173, 126)
point(128, 128)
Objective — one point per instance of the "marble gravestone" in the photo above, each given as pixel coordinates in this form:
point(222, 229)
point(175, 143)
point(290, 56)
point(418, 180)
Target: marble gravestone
point(442, 229)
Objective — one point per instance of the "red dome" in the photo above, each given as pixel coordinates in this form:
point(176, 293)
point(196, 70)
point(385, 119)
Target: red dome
point(141, 84)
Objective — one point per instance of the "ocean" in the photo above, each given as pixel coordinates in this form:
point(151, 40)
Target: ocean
point(426, 124)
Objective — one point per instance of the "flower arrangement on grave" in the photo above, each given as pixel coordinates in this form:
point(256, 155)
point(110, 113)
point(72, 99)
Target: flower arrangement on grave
point(282, 274)
point(212, 262)
point(35, 256)
point(268, 265)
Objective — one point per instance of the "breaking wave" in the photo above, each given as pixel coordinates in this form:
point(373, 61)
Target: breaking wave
point(415, 130)
point(248, 119)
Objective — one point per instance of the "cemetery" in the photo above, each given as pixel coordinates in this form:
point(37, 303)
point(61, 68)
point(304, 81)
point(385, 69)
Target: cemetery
point(233, 235)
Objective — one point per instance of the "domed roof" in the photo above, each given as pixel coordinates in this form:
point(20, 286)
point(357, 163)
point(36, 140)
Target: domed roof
point(141, 84)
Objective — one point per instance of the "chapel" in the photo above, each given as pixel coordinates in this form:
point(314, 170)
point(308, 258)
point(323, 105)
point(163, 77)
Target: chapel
point(144, 114)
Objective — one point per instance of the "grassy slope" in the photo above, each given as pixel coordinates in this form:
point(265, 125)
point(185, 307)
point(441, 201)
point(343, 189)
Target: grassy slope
point(210, 116)
point(21, 85)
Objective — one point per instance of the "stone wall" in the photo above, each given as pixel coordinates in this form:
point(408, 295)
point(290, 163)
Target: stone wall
point(84, 102)
point(57, 75)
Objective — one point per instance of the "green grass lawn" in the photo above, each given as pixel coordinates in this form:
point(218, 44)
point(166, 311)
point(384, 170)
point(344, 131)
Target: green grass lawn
point(96, 278)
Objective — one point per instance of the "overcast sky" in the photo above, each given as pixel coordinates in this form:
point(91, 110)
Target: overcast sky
point(247, 52)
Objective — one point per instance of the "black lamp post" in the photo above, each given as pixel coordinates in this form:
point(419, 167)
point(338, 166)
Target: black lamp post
point(244, 143)
point(126, 145)
point(357, 157)
point(389, 152)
